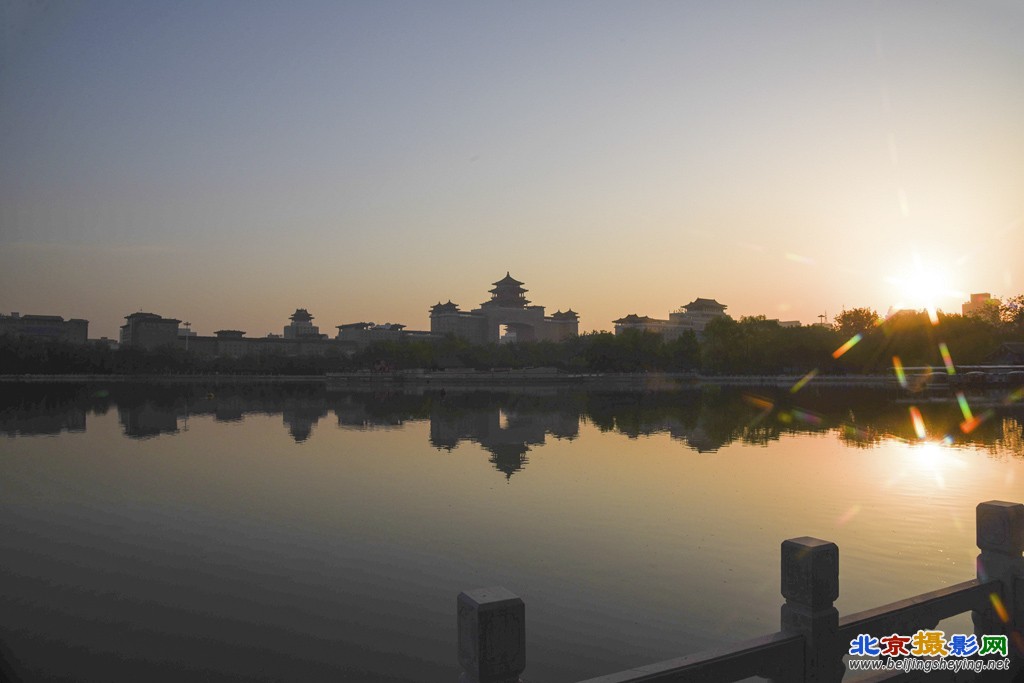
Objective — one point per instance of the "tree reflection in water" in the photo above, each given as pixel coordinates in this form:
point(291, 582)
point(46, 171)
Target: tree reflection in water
point(508, 423)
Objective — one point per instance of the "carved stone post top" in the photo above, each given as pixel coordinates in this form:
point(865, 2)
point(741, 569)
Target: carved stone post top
point(492, 635)
point(809, 542)
point(496, 596)
point(1000, 527)
point(810, 572)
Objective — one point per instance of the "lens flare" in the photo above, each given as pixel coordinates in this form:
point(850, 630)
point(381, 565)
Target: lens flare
point(915, 417)
point(968, 426)
point(797, 258)
point(806, 417)
point(947, 359)
point(758, 401)
point(848, 345)
point(852, 432)
point(964, 408)
point(848, 515)
point(803, 381)
point(897, 365)
point(999, 607)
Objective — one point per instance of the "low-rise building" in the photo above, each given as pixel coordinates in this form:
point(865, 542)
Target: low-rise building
point(301, 338)
point(233, 343)
point(149, 331)
point(643, 323)
point(697, 314)
point(75, 330)
point(980, 304)
point(693, 317)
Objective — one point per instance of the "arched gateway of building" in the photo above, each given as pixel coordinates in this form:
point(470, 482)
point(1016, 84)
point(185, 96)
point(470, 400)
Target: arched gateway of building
point(508, 308)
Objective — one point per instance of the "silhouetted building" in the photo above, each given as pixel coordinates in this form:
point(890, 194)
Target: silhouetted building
point(302, 326)
point(508, 308)
point(363, 334)
point(149, 331)
point(55, 327)
point(979, 304)
point(232, 343)
point(1008, 353)
point(693, 317)
point(697, 314)
point(644, 323)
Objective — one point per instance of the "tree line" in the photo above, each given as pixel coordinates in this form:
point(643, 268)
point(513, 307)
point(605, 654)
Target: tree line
point(859, 341)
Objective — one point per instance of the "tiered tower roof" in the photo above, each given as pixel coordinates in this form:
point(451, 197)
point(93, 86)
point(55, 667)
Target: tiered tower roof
point(508, 292)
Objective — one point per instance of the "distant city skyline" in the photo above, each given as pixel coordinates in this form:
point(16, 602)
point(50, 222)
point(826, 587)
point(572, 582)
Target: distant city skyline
point(228, 163)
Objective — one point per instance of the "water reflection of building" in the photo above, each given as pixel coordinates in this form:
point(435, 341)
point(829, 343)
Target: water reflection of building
point(229, 409)
point(697, 437)
point(145, 420)
point(42, 420)
point(508, 424)
point(301, 418)
point(507, 436)
point(353, 415)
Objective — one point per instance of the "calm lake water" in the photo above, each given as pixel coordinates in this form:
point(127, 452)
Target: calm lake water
point(293, 533)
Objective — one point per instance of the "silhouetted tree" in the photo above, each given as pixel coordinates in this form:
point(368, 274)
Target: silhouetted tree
point(855, 321)
point(1011, 312)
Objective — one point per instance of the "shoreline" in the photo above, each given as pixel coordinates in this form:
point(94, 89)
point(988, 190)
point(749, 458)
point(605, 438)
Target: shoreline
point(652, 381)
point(660, 380)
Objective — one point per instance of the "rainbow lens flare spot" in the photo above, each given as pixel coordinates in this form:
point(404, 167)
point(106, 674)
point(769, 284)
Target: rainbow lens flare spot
point(947, 359)
point(897, 365)
point(915, 417)
point(848, 345)
point(803, 381)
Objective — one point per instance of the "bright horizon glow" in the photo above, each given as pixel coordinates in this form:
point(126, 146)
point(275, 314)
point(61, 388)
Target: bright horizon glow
point(226, 163)
point(926, 286)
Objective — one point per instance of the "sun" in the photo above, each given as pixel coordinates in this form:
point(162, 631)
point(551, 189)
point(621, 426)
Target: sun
point(926, 286)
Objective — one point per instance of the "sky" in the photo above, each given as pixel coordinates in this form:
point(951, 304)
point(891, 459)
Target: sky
point(228, 162)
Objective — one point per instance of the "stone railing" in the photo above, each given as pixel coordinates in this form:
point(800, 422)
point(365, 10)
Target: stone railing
point(812, 639)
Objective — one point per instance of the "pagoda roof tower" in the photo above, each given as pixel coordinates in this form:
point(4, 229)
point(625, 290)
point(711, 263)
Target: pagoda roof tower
point(508, 292)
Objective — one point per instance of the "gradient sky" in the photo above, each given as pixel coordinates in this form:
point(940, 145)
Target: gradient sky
point(227, 162)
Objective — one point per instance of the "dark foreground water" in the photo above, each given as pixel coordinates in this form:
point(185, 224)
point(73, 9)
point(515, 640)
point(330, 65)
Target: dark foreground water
point(253, 532)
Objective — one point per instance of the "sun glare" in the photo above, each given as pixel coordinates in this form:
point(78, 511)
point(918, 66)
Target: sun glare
point(925, 286)
point(935, 460)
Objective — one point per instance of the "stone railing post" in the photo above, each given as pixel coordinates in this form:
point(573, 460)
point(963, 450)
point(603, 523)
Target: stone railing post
point(492, 636)
point(810, 584)
point(1000, 528)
